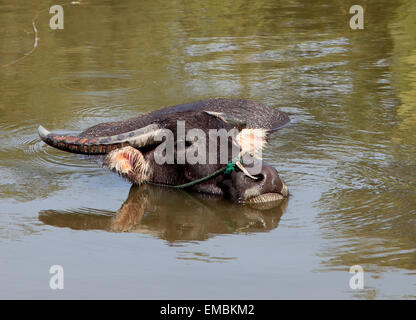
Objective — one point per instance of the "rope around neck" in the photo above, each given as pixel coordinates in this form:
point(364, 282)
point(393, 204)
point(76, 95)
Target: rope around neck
point(227, 170)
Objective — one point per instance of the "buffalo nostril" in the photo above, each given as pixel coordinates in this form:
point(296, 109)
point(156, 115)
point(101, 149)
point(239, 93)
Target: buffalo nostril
point(268, 173)
point(271, 181)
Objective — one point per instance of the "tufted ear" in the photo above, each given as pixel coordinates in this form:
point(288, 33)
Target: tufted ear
point(252, 141)
point(129, 163)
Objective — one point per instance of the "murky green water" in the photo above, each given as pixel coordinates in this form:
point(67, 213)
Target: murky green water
point(348, 156)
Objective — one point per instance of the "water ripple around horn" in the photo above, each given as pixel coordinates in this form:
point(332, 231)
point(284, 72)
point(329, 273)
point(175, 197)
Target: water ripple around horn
point(49, 155)
point(87, 115)
point(23, 139)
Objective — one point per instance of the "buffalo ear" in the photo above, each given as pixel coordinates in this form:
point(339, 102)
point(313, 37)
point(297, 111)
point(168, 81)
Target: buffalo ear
point(252, 141)
point(230, 119)
point(129, 163)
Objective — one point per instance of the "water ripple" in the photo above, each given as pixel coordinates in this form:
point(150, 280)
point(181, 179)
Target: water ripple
point(23, 144)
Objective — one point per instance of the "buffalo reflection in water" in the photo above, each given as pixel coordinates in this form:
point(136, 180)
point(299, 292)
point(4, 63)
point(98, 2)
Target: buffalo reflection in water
point(172, 215)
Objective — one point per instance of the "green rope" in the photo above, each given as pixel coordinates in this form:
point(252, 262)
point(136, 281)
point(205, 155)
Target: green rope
point(230, 167)
point(227, 170)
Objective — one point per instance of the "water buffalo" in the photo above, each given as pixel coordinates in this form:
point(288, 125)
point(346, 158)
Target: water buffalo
point(132, 148)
